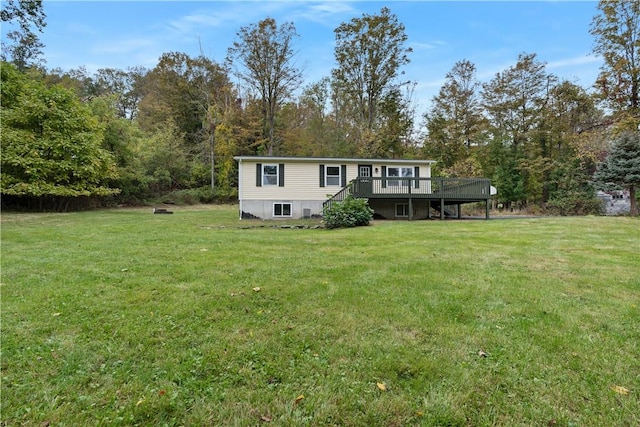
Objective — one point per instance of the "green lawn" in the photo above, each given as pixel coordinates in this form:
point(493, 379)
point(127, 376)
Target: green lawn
point(122, 317)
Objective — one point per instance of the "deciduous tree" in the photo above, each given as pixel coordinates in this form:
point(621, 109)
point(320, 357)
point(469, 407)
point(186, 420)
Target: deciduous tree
point(51, 142)
point(617, 39)
point(26, 49)
point(370, 52)
point(455, 123)
point(264, 55)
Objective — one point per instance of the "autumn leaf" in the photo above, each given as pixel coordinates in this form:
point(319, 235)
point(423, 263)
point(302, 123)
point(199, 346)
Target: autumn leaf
point(298, 399)
point(620, 390)
point(265, 419)
point(256, 289)
point(482, 353)
point(382, 386)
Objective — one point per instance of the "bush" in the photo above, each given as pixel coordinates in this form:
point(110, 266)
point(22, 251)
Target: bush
point(191, 196)
point(350, 212)
point(575, 203)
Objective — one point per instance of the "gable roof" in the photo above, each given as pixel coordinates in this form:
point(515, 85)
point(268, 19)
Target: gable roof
point(333, 160)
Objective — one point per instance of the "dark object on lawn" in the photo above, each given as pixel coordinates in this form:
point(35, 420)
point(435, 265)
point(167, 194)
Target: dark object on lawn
point(161, 211)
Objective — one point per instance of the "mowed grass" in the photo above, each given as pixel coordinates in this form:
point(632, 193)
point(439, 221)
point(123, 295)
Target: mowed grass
point(122, 317)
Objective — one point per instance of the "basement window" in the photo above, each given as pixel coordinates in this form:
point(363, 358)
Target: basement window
point(281, 210)
point(402, 210)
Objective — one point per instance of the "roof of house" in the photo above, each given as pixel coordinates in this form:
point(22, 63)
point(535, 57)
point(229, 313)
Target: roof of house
point(333, 160)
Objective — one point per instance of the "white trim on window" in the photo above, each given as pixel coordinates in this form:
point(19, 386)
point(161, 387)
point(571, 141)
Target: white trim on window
point(270, 175)
point(282, 210)
point(332, 175)
point(398, 171)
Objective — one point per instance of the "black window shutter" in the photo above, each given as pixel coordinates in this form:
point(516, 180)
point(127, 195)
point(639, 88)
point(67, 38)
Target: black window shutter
point(416, 174)
point(343, 172)
point(259, 175)
point(321, 175)
point(384, 176)
point(281, 175)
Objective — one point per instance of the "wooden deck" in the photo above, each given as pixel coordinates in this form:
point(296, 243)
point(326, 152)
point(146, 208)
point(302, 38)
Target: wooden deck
point(438, 192)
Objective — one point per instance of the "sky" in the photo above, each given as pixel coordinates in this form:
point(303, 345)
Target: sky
point(490, 34)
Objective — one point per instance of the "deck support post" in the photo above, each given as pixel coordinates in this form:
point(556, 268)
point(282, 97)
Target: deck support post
point(441, 208)
point(459, 210)
point(487, 209)
point(410, 209)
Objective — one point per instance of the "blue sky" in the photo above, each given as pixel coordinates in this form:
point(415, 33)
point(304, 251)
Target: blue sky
point(119, 34)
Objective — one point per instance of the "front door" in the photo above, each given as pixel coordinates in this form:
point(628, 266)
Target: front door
point(365, 183)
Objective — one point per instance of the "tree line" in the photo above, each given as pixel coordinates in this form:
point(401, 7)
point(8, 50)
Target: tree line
point(71, 138)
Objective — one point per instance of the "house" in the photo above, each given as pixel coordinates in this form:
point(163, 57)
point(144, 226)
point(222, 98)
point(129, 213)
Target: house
point(615, 202)
point(300, 187)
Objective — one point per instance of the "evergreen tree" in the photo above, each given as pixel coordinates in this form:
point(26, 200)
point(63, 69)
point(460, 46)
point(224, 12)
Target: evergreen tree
point(622, 166)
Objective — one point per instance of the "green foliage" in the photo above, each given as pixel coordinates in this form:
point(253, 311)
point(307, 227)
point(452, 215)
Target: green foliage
point(455, 123)
point(616, 31)
point(200, 195)
point(25, 49)
point(350, 212)
point(51, 143)
point(265, 53)
point(370, 52)
point(622, 166)
point(575, 202)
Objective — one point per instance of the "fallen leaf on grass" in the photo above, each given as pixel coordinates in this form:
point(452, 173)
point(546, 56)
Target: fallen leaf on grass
point(620, 390)
point(265, 419)
point(56, 314)
point(140, 402)
point(382, 386)
point(256, 289)
point(482, 353)
point(298, 399)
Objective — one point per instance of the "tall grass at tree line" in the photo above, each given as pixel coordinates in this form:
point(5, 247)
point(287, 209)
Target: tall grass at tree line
point(121, 317)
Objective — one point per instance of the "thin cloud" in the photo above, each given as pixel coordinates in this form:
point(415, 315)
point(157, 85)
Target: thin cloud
point(325, 13)
point(571, 62)
point(416, 46)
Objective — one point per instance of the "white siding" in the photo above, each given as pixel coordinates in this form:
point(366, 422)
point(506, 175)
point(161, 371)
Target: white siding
point(302, 183)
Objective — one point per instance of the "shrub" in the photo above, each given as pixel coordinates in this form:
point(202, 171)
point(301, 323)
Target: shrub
point(575, 203)
point(350, 212)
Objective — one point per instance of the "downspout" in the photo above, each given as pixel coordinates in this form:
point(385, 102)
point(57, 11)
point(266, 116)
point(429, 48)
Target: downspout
point(240, 187)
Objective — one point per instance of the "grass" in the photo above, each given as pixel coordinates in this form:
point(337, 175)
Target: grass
point(122, 317)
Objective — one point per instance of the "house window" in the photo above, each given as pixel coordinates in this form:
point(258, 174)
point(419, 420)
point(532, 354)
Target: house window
point(282, 209)
point(269, 174)
point(332, 175)
point(365, 171)
point(402, 210)
point(399, 172)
